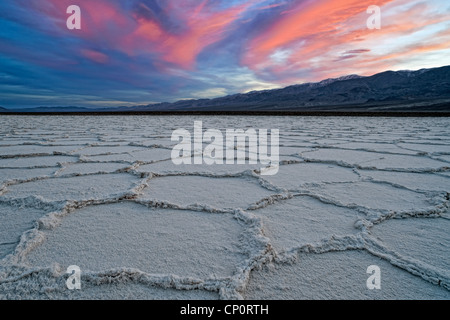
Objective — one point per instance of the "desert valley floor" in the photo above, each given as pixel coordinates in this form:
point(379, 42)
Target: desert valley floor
point(102, 193)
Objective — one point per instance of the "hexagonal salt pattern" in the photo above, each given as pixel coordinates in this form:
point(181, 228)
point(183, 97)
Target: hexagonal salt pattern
point(338, 276)
point(301, 175)
point(302, 221)
point(75, 188)
point(422, 240)
point(155, 241)
point(102, 193)
point(15, 220)
point(215, 192)
point(50, 284)
point(374, 196)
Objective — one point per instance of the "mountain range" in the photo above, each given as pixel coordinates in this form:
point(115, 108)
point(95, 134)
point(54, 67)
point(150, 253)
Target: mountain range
point(421, 90)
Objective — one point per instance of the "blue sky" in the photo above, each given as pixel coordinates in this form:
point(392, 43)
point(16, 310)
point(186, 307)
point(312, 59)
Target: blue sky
point(148, 51)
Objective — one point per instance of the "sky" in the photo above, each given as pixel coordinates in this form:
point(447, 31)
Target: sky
point(139, 52)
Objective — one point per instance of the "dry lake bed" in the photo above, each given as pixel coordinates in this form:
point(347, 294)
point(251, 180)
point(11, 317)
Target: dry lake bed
point(103, 194)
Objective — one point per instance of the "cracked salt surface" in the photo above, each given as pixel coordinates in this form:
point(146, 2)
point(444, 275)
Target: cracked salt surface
point(154, 241)
point(428, 242)
point(25, 174)
point(14, 222)
point(374, 196)
point(35, 162)
point(299, 221)
point(50, 284)
point(74, 188)
point(30, 150)
point(103, 194)
point(382, 161)
point(145, 155)
point(412, 181)
point(374, 147)
point(215, 193)
point(296, 175)
point(90, 168)
point(337, 275)
point(432, 148)
point(168, 168)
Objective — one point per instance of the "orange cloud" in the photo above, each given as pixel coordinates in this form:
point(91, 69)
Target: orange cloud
point(317, 34)
point(310, 40)
point(316, 23)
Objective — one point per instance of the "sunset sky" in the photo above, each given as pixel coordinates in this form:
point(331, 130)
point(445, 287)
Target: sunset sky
point(147, 51)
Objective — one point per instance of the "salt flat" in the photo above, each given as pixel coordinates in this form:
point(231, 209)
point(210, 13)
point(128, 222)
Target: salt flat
point(102, 193)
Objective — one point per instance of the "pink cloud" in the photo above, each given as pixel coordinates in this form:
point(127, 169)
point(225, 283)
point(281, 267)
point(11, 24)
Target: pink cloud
point(95, 56)
point(201, 28)
point(106, 24)
point(276, 5)
point(312, 26)
point(316, 33)
point(309, 37)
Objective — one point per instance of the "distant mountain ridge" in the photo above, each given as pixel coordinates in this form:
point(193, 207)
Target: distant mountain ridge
point(421, 90)
point(402, 89)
